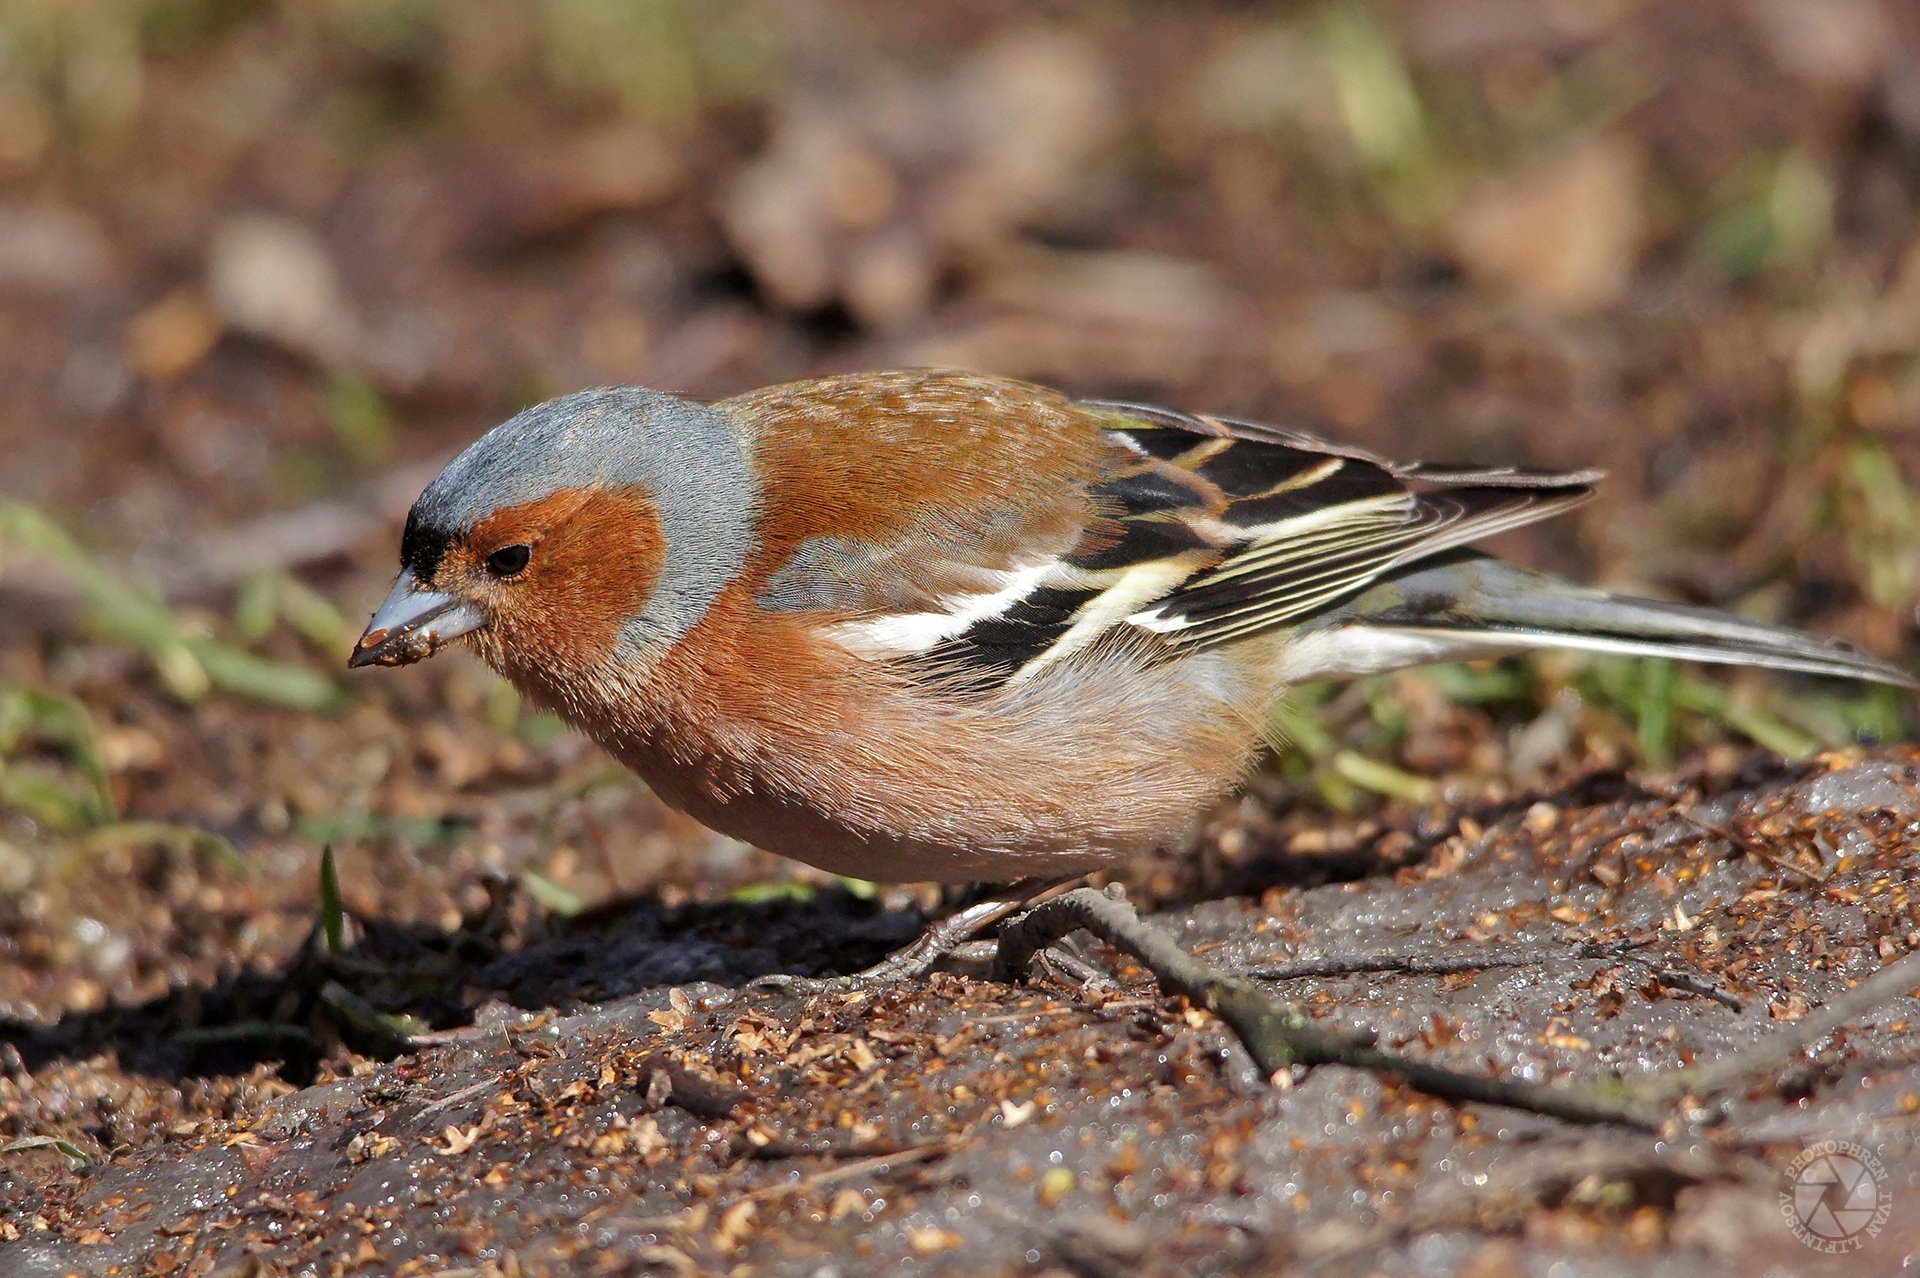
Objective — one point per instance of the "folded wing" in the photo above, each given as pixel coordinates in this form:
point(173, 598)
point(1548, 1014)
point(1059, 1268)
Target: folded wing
point(1197, 531)
point(1217, 529)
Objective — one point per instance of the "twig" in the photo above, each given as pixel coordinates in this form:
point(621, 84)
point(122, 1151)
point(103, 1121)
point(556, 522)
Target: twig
point(1701, 984)
point(464, 1094)
point(1438, 964)
point(1778, 1048)
point(853, 1170)
point(1279, 1035)
point(774, 1150)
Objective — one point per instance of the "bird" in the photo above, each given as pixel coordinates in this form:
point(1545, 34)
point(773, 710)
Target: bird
point(930, 625)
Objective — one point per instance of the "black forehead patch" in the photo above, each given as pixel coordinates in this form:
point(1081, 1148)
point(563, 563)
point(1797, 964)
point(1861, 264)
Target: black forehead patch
point(422, 546)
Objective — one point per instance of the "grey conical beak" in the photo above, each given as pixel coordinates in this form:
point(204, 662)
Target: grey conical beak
point(411, 623)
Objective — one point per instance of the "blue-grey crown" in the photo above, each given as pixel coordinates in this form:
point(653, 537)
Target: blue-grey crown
point(687, 457)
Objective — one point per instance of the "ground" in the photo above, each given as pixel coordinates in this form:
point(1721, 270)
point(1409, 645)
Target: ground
point(263, 267)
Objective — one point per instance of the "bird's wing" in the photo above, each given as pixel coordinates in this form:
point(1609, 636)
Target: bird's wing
point(1225, 528)
point(913, 511)
point(1013, 528)
point(1009, 527)
point(1306, 523)
point(1211, 529)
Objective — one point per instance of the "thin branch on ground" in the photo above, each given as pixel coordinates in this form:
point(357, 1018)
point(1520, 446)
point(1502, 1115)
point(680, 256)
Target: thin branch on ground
point(1446, 964)
point(1281, 1036)
point(1277, 1034)
point(1699, 984)
point(1796, 1039)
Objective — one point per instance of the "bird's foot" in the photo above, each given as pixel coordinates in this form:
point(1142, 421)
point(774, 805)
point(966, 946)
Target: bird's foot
point(946, 939)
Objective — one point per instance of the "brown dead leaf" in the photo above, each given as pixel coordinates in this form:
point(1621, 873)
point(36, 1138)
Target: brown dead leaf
point(1565, 235)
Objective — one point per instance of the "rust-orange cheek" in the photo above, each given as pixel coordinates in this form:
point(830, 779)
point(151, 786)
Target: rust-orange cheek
point(595, 562)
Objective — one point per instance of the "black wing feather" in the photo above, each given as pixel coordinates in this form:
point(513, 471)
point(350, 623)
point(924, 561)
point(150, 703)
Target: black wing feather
point(1269, 527)
point(1305, 523)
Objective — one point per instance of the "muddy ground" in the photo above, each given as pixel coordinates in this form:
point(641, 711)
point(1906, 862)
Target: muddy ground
point(263, 267)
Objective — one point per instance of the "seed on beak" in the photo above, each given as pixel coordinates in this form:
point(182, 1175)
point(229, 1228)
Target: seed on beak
point(411, 624)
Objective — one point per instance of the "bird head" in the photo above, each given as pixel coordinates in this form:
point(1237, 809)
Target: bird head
point(592, 529)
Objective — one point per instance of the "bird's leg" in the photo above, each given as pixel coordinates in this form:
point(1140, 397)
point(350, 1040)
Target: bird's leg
point(923, 953)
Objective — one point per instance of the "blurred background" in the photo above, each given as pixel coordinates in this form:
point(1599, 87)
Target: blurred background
point(265, 265)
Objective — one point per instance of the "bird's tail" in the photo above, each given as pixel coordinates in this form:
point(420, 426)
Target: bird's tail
point(1472, 605)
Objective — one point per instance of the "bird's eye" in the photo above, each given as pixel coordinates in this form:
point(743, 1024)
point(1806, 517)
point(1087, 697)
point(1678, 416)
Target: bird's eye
point(508, 561)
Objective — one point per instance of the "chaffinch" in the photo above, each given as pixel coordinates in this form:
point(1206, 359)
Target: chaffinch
point(936, 626)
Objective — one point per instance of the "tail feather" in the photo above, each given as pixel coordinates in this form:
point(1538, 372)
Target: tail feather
point(1473, 605)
